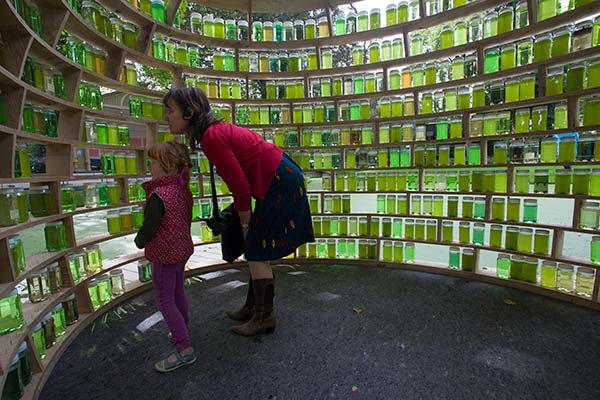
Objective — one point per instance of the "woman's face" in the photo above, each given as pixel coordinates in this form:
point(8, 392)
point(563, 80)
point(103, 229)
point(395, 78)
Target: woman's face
point(174, 117)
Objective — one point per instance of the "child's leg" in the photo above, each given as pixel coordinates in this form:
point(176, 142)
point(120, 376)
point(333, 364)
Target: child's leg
point(164, 278)
point(180, 298)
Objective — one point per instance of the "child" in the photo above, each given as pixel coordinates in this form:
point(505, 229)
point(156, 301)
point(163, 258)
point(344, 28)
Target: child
point(167, 243)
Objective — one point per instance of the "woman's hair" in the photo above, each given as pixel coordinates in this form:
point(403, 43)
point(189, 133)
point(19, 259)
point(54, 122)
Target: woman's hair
point(174, 158)
point(194, 105)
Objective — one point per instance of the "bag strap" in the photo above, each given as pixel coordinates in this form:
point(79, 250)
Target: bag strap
point(215, 207)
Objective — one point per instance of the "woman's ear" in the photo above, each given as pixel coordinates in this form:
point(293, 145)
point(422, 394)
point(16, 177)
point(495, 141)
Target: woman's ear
point(188, 114)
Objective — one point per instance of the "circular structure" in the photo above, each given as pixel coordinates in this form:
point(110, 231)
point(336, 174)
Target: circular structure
point(458, 138)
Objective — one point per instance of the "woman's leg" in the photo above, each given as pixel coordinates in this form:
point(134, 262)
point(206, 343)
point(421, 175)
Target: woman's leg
point(260, 270)
point(164, 279)
point(262, 320)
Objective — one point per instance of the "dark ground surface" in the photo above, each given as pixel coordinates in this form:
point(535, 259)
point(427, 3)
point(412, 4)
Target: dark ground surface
point(419, 336)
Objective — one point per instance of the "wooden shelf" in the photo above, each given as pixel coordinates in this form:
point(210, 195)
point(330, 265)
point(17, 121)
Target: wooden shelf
point(477, 79)
point(579, 262)
point(76, 25)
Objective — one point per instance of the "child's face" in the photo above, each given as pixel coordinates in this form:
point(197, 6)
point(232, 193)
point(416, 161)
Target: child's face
point(174, 117)
point(156, 170)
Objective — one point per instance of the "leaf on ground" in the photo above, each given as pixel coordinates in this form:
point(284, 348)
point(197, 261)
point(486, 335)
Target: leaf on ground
point(357, 310)
point(509, 302)
point(354, 389)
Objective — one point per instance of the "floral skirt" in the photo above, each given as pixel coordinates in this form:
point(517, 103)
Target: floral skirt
point(282, 221)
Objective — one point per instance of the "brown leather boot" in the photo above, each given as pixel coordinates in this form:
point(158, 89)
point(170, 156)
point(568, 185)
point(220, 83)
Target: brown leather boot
point(263, 320)
point(244, 313)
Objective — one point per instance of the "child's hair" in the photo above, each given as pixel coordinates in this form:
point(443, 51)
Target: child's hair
point(174, 158)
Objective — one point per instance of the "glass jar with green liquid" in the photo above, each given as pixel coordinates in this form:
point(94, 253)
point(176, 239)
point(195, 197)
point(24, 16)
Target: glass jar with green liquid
point(575, 77)
point(588, 217)
point(562, 181)
point(525, 240)
point(542, 47)
point(55, 235)
point(496, 236)
point(464, 232)
point(530, 210)
point(539, 118)
point(503, 266)
point(581, 181)
point(507, 57)
point(591, 111)
point(490, 24)
point(541, 242)
point(527, 87)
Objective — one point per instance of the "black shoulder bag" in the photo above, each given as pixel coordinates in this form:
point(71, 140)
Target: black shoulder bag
point(226, 224)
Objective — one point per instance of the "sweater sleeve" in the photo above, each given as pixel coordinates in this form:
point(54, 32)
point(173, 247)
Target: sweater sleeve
point(153, 214)
point(218, 150)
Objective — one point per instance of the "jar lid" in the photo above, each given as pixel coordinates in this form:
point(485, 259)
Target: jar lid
point(116, 272)
point(71, 297)
point(530, 201)
point(496, 227)
point(287, 23)
point(506, 9)
point(57, 308)
point(242, 22)
point(526, 231)
point(410, 244)
point(464, 223)
point(548, 263)
point(581, 171)
point(447, 223)
point(298, 22)
point(92, 247)
point(512, 228)
point(265, 24)
point(53, 266)
point(219, 20)
point(503, 256)
point(454, 249)
point(362, 13)
point(539, 172)
point(196, 15)
point(566, 267)
point(590, 204)
point(431, 222)
point(544, 232)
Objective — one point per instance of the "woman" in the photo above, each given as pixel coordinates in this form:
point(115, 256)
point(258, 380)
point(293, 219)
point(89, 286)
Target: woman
point(251, 167)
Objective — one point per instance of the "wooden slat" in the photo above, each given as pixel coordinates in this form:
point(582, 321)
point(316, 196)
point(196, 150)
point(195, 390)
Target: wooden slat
point(7, 273)
point(54, 19)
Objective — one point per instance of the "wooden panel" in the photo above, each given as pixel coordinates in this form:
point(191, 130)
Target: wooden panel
point(114, 63)
point(34, 357)
point(72, 79)
point(12, 57)
point(14, 98)
point(82, 296)
point(7, 142)
point(172, 10)
point(70, 124)
point(53, 21)
point(144, 42)
point(7, 273)
point(70, 231)
point(58, 160)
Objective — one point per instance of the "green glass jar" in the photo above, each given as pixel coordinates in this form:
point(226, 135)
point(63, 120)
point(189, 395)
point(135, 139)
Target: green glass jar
point(130, 35)
point(40, 201)
point(581, 181)
point(575, 77)
point(55, 235)
point(530, 210)
point(542, 48)
point(11, 319)
point(60, 323)
point(496, 236)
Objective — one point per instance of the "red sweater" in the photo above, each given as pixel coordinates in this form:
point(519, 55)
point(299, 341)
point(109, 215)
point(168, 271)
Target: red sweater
point(244, 160)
